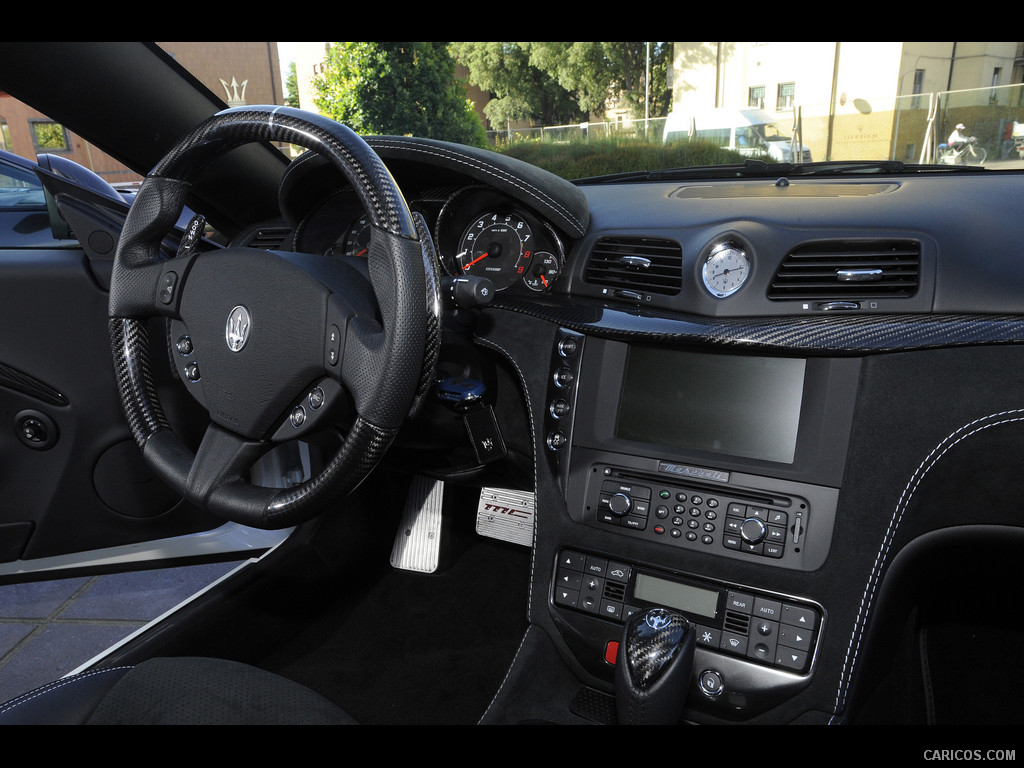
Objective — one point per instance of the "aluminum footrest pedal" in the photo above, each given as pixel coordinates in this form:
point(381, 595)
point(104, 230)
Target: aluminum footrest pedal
point(506, 514)
point(418, 542)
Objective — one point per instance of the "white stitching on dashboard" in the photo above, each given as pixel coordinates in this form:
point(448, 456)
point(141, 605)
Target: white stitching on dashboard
point(494, 170)
point(874, 578)
point(536, 506)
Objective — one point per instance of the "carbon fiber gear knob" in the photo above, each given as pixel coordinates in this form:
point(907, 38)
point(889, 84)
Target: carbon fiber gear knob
point(654, 668)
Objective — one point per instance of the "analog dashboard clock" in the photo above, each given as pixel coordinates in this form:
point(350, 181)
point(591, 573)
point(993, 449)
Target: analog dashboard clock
point(725, 270)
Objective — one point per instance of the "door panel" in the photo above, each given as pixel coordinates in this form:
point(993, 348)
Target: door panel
point(71, 478)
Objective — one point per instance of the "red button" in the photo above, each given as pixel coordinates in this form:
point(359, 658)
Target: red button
point(611, 652)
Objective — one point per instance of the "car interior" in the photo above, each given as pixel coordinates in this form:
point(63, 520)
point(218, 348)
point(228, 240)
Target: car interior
point(712, 446)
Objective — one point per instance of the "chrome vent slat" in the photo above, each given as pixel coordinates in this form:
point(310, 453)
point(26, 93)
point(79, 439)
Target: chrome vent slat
point(849, 269)
point(636, 264)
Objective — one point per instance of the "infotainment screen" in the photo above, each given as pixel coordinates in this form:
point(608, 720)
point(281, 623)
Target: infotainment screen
point(735, 405)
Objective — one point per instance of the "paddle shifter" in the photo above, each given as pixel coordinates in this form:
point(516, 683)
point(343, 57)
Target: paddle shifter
point(652, 673)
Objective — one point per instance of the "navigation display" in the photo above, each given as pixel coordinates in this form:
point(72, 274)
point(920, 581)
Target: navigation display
point(734, 405)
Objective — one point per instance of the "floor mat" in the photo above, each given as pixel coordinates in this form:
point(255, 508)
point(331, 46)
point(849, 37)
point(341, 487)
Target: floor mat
point(419, 649)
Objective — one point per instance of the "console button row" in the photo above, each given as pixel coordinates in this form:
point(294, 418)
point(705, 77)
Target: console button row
point(563, 379)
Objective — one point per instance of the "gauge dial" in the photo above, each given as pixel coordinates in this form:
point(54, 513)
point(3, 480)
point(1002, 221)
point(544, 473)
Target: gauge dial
point(545, 270)
point(357, 239)
point(725, 270)
point(497, 246)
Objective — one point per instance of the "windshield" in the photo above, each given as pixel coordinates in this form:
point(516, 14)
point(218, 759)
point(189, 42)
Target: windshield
point(591, 109)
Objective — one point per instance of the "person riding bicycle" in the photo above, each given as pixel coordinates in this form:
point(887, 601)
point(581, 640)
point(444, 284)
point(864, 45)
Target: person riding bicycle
point(958, 138)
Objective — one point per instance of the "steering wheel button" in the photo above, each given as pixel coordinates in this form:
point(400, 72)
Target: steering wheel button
point(192, 372)
point(316, 398)
point(298, 416)
point(184, 346)
point(167, 286)
point(333, 345)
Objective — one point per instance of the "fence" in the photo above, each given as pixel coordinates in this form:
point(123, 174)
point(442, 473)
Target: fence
point(907, 128)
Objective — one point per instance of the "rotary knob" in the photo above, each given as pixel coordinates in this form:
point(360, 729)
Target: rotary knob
point(753, 530)
point(620, 504)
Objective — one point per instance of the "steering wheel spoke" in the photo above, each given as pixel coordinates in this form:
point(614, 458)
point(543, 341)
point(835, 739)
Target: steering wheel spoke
point(221, 467)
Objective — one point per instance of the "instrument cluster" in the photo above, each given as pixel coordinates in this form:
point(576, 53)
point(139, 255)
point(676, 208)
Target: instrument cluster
point(477, 232)
point(482, 233)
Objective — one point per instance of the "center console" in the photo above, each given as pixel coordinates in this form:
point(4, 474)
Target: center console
point(675, 454)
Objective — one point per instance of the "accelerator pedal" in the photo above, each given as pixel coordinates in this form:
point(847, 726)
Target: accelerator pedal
point(507, 515)
point(418, 542)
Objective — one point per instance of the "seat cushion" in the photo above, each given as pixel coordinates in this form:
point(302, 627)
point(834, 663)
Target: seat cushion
point(176, 691)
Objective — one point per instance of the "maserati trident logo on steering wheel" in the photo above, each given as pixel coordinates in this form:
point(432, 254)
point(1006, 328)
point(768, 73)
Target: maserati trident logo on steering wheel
point(236, 332)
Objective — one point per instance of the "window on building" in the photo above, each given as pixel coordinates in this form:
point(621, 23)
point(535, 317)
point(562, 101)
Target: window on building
point(786, 96)
point(915, 102)
point(756, 98)
point(5, 136)
point(48, 136)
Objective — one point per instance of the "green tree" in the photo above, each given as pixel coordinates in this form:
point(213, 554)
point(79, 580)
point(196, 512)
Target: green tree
point(602, 75)
point(398, 89)
point(520, 90)
point(291, 87)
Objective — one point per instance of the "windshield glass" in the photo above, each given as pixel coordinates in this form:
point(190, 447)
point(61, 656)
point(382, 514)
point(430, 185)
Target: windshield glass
point(590, 109)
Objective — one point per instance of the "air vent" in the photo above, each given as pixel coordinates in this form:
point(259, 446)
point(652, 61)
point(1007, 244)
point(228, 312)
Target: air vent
point(642, 264)
point(268, 238)
point(849, 269)
point(737, 622)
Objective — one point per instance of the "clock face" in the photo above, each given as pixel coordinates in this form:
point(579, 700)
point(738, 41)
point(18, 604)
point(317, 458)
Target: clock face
point(725, 270)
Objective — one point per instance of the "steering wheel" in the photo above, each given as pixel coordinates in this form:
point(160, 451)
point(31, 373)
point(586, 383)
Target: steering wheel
point(267, 342)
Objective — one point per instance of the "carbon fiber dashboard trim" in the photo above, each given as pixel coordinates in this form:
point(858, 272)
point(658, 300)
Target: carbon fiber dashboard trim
point(833, 334)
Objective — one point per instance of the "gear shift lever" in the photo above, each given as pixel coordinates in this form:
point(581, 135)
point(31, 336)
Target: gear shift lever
point(652, 673)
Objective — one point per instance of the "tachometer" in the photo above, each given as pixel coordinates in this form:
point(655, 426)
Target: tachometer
point(498, 246)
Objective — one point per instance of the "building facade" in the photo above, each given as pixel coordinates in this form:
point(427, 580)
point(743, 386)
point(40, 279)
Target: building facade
point(237, 72)
point(866, 97)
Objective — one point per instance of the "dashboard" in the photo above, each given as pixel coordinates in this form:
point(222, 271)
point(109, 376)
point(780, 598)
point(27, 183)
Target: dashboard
point(760, 401)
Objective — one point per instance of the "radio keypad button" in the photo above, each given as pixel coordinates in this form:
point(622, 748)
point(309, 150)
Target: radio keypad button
point(773, 550)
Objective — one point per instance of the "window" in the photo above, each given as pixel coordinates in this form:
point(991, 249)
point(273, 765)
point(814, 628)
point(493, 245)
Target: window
point(915, 102)
point(48, 136)
point(19, 188)
point(756, 98)
point(786, 97)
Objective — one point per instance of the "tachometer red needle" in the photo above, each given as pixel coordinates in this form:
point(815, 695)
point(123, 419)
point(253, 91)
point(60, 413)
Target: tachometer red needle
point(544, 280)
point(474, 261)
